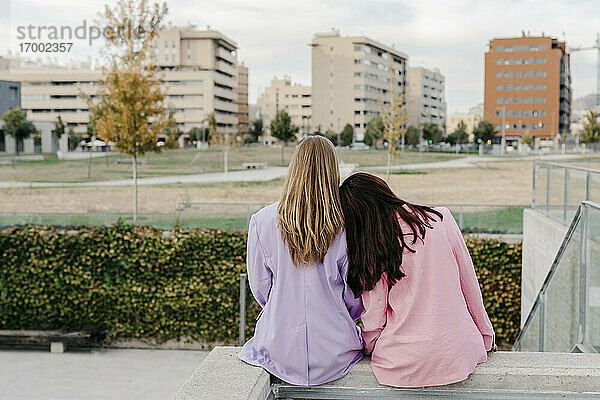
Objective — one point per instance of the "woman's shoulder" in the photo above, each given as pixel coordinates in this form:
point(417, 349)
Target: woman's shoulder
point(266, 214)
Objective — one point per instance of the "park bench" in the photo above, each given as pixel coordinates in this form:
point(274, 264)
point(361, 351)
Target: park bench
point(255, 165)
point(57, 341)
point(129, 161)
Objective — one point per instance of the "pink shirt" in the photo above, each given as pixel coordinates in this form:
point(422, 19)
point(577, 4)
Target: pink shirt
point(431, 327)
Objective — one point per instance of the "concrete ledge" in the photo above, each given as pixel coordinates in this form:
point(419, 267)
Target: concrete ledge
point(223, 376)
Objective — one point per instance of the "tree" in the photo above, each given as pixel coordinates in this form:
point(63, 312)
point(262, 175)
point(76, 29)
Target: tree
point(212, 134)
point(347, 135)
point(130, 111)
point(92, 132)
point(432, 133)
point(394, 114)
point(374, 131)
point(460, 135)
point(197, 134)
point(591, 128)
point(17, 125)
point(527, 139)
point(256, 130)
point(412, 135)
point(59, 127)
point(283, 129)
point(484, 131)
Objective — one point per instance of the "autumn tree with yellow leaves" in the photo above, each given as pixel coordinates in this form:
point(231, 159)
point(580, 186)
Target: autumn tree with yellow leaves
point(130, 106)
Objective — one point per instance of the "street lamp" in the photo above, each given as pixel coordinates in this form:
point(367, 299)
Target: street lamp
point(504, 127)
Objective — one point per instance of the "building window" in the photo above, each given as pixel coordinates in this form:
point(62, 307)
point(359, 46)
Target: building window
point(166, 58)
point(521, 48)
point(156, 44)
point(520, 100)
point(519, 61)
point(521, 74)
point(166, 44)
point(521, 87)
point(173, 57)
point(172, 43)
point(12, 93)
point(189, 44)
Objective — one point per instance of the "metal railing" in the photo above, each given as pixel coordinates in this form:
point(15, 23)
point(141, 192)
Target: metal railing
point(566, 313)
point(558, 189)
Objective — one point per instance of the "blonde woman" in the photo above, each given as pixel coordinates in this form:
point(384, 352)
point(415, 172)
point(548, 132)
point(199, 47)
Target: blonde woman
point(297, 268)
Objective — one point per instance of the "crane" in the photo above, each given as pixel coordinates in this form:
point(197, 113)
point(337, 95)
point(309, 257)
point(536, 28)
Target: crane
point(596, 47)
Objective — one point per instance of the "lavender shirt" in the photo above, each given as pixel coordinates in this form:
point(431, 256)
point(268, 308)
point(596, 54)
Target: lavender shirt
point(306, 334)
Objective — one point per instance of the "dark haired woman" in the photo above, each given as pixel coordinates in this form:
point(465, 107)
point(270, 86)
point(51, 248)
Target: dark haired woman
point(424, 321)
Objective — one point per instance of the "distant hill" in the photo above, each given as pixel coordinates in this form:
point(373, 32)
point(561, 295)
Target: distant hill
point(584, 103)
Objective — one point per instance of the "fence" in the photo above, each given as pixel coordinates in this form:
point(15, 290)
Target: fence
point(559, 188)
point(566, 313)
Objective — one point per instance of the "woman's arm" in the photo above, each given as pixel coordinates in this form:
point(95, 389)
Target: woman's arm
point(469, 284)
point(374, 318)
point(259, 274)
point(354, 305)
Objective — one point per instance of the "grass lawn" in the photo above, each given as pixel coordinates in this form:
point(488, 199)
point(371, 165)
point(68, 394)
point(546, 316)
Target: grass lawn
point(181, 162)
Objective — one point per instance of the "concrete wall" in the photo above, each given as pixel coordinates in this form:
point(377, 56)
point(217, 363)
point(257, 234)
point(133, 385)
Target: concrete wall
point(542, 237)
point(223, 376)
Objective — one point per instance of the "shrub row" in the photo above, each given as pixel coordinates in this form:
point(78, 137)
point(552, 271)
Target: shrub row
point(140, 282)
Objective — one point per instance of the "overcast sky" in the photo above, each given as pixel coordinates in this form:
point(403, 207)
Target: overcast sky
point(273, 35)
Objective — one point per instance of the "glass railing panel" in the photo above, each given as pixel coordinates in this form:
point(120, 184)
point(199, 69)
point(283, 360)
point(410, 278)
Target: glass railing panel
point(557, 192)
point(530, 341)
point(576, 191)
point(561, 308)
point(540, 187)
point(594, 191)
point(593, 274)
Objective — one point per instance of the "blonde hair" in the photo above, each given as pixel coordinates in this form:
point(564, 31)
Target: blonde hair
point(309, 212)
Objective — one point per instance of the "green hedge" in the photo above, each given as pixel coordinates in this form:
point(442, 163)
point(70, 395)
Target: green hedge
point(138, 282)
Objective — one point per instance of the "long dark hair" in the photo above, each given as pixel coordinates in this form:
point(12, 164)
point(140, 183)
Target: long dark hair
point(375, 238)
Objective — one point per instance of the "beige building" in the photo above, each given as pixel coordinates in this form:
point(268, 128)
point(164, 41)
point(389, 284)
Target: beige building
point(470, 120)
point(280, 95)
point(427, 98)
point(198, 69)
point(351, 77)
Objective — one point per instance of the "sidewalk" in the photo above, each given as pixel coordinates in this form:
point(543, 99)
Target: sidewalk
point(99, 375)
point(250, 175)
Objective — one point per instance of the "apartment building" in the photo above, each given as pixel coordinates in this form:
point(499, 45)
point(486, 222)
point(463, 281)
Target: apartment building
point(351, 77)
point(295, 99)
point(10, 97)
point(528, 87)
point(242, 99)
point(470, 120)
point(427, 98)
point(198, 70)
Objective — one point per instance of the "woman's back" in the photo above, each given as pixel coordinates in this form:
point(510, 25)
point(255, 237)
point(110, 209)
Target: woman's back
point(306, 334)
point(430, 328)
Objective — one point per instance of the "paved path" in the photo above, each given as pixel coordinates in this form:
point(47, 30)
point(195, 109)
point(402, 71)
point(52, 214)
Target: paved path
point(470, 161)
point(101, 375)
point(268, 174)
point(250, 175)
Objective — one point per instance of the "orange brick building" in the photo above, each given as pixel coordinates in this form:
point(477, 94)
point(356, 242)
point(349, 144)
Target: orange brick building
point(528, 87)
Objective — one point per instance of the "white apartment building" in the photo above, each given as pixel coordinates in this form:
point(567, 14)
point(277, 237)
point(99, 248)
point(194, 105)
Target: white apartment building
point(198, 69)
point(427, 98)
point(351, 77)
point(295, 99)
